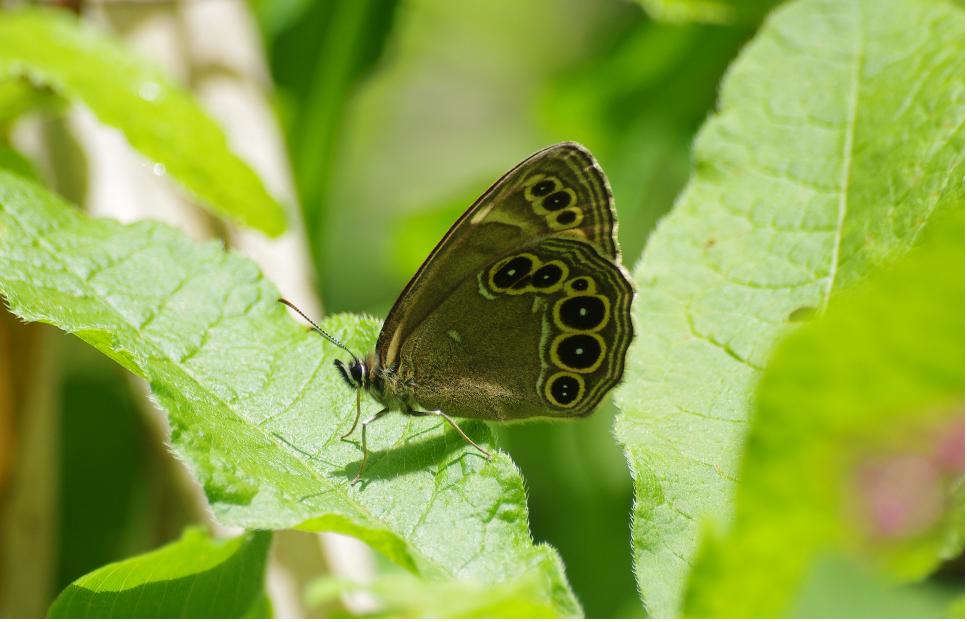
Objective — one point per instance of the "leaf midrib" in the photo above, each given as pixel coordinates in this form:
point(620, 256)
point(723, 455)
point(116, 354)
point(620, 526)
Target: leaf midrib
point(846, 168)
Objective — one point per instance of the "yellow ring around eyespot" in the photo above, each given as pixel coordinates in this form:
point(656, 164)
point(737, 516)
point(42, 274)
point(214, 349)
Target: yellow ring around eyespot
point(560, 323)
point(550, 289)
point(550, 396)
point(556, 226)
point(503, 262)
point(583, 370)
point(540, 210)
point(533, 181)
point(570, 291)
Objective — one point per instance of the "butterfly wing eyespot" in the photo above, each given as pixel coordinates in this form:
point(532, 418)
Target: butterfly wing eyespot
point(537, 187)
point(582, 312)
point(509, 271)
point(565, 219)
point(564, 389)
point(550, 277)
point(578, 352)
point(555, 201)
point(525, 273)
point(580, 285)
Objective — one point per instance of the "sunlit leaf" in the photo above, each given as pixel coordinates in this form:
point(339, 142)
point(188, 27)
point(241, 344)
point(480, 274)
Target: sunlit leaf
point(256, 408)
point(195, 577)
point(856, 443)
point(816, 169)
point(53, 50)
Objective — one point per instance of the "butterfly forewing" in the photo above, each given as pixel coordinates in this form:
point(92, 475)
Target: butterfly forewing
point(559, 192)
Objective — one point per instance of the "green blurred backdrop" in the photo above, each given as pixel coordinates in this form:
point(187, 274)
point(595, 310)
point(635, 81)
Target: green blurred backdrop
point(397, 114)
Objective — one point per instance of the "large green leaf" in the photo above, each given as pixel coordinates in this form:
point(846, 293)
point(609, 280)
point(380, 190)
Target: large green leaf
point(856, 441)
point(817, 167)
point(195, 577)
point(53, 49)
point(255, 406)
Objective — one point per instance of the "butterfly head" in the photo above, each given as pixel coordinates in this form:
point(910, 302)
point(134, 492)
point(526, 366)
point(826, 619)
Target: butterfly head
point(353, 372)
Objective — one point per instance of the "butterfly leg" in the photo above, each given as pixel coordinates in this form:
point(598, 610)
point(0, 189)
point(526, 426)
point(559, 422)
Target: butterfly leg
point(453, 424)
point(362, 465)
point(353, 429)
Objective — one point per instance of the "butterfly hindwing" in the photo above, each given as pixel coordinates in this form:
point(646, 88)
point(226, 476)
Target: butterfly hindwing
point(540, 331)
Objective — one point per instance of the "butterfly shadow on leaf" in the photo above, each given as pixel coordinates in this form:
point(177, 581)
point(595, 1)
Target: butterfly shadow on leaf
point(409, 455)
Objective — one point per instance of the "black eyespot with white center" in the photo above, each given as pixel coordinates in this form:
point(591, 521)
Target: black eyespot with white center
point(565, 389)
point(512, 272)
point(556, 200)
point(542, 187)
point(579, 285)
point(582, 312)
point(547, 275)
point(579, 352)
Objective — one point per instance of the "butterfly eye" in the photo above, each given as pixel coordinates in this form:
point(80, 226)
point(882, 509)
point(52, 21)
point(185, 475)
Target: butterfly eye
point(563, 389)
point(581, 352)
point(581, 313)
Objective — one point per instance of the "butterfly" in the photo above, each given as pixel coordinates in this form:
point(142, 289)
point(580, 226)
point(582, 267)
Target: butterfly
point(522, 310)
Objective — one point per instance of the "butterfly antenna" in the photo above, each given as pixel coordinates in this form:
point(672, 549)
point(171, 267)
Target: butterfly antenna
point(315, 326)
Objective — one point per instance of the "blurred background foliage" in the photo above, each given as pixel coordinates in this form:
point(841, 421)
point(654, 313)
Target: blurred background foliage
point(397, 114)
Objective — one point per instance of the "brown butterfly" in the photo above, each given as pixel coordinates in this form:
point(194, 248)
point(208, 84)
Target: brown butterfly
point(522, 310)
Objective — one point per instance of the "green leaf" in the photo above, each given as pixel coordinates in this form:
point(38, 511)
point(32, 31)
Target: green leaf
point(709, 11)
point(255, 407)
point(816, 169)
point(856, 442)
point(195, 577)
point(839, 588)
point(17, 97)
point(55, 50)
point(13, 161)
point(403, 596)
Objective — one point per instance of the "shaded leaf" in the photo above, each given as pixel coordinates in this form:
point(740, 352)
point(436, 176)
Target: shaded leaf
point(13, 161)
point(195, 577)
point(840, 588)
point(54, 50)
point(255, 406)
point(816, 169)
